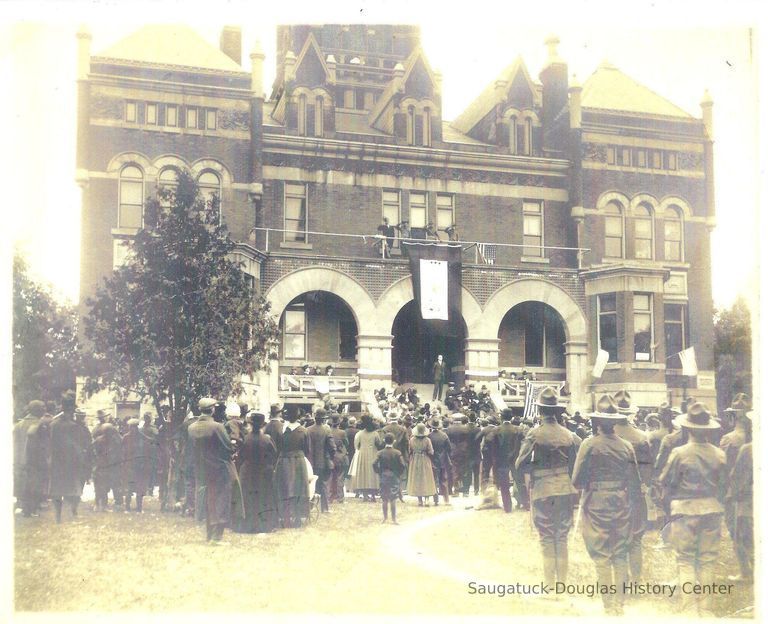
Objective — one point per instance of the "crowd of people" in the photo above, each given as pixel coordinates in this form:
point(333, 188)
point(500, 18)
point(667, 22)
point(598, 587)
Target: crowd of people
point(625, 470)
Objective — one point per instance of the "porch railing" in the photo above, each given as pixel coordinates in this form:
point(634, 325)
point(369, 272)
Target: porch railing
point(306, 386)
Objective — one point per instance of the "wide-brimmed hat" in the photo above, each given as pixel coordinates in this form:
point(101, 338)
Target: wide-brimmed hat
point(435, 423)
point(36, 407)
point(206, 403)
point(421, 430)
point(547, 398)
point(606, 409)
point(697, 417)
point(623, 400)
point(275, 410)
point(740, 402)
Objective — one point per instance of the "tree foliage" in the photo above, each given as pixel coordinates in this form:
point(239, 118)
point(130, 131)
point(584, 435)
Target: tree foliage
point(45, 347)
point(733, 352)
point(179, 319)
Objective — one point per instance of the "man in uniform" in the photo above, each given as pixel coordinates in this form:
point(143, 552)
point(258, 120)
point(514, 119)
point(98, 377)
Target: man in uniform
point(731, 444)
point(740, 482)
point(606, 473)
point(321, 451)
point(441, 460)
point(69, 458)
point(695, 480)
point(38, 459)
point(215, 474)
point(548, 453)
point(340, 459)
point(486, 450)
point(476, 439)
point(108, 451)
point(639, 441)
point(506, 447)
point(21, 472)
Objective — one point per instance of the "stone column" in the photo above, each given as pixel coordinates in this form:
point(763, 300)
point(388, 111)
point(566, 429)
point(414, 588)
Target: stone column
point(481, 357)
point(374, 361)
point(576, 373)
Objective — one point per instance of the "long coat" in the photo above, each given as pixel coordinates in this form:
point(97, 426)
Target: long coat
point(321, 449)
point(291, 475)
point(462, 441)
point(258, 455)
point(137, 464)
point(340, 450)
point(274, 429)
point(421, 479)
point(215, 475)
point(38, 457)
point(20, 434)
point(70, 457)
point(367, 445)
point(645, 460)
point(108, 455)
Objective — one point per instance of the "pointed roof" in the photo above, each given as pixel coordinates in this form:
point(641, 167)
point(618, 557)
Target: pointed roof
point(310, 47)
point(487, 99)
point(170, 44)
point(608, 88)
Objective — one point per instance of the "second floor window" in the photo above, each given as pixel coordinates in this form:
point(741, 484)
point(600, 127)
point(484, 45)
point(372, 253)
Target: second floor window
point(390, 209)
point(614, 231)
point(643, 232)
point(445, 218)
point(130, 210)
point(294, 333)
point(643, 323)
point(675, 328)
point(152, 114)
point(171, 116)
point(130, 112)
point(532, 229)
point(607, 326)
point(418, 210)
point(295, 213)
point(673, 235)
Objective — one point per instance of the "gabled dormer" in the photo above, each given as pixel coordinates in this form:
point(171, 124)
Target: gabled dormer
point(410, 106)
point(306, 104)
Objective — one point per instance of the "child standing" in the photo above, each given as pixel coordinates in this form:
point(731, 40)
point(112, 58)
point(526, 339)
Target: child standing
point(389, 465)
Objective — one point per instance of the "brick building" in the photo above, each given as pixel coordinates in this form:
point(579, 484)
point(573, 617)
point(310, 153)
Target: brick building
point(584, 212)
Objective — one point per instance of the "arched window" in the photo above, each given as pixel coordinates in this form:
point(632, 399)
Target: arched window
point(614, 231)
point(302, 115)
point(131, 194)
point(427, 128)
point(209, 185)
point(168, 179)
point(643, 216)
point(410, 129)
point(513, 135)
point(319, 116)
point(528, 149)
point(673, 234)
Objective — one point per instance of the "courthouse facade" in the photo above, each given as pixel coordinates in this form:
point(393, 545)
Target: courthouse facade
point(584, 212)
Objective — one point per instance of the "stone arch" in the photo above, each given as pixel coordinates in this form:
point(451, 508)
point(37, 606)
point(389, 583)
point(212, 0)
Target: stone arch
point(520, 291)
point(204, 164)
point(301, 281)
point(644, 198)
point(130, 158)
point(613, 196)
point(401, 292)
point(170, 160)
point(674, 200)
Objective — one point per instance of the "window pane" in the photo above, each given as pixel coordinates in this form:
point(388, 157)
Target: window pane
point(607, 303)
point(672, 230)
point(445, 201)
point(130, 111)
point(151, 114)
point(643, 228)
point(294, 208)
point(642, 302)
point(532, 207)
point(672, 251)
point(418, 217)
point(531, 225)
point(295, 189)
point(444, 218)
point(613, 226)
point(210, 119)
point(171, 116)
point(130, 216)
point(643, 249)
point(391, 197)
point(608, 336)
point(613, 247)
point(294, 346)
point(294, 321)
point(131, 192)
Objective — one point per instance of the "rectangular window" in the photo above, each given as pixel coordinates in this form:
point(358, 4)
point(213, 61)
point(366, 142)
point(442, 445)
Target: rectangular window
point(675, 328)
point(641, 158)
point(626, 156)
point(349, 98)
point(210, 119)
point(151, 114)
point(191, 117)
point(427, 128)
point(643, 324)
point(171, 116)
point(390, 209)
point(610, 155)
point(130, 112)
point(131, 203)
point(294, 334)
point(656, 159)
point(607, 327)
point(532, 229)
point(445, 218)
point(418, 210)
point(614, 236)
point(296, 213)
point(672, 161)
point(347, 336)
point(643, 238)
point(673, 240)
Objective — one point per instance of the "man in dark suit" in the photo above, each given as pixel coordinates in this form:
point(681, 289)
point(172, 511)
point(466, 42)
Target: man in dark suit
point(400, 435)
point(461, 437)
point(439, 373)
point(215, 472)
point(389, 465)
point(274, 428)
point(476, 436)
point(506, 446)
point(321, 452)
point(486, 449)
point(740, 495)
point(548, 453)
point(340, 459)
point(441, 460)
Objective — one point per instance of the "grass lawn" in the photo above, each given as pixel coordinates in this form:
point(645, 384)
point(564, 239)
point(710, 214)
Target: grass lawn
point(346, 563)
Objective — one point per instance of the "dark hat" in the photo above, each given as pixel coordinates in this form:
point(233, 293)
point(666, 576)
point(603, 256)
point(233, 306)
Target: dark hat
point(335, 418)
point(697, 417)
point(623, 400)
point(435, 423)
point(257, 419)
point(606, 409)
point(275, 410)
point(506, 414)
point(68, 399)
point(665, 410)
point(420, 431)
point(547, 398)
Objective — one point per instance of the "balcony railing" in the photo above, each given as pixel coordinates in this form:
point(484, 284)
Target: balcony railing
point(311, 386)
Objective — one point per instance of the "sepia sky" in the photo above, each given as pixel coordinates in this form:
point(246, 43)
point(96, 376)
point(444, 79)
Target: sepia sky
point(676, 53)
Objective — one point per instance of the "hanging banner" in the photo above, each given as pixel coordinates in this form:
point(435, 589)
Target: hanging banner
point(436, 276)
point(688, 360)
point(600, 361)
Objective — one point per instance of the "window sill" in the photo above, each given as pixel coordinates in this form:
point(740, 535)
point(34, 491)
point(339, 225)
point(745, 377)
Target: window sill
point(124, 231)
point(294, 245)
point(534, 260)
point(647, 366)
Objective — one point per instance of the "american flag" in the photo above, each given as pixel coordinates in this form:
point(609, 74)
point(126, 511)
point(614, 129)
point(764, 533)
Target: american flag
point(532, 391)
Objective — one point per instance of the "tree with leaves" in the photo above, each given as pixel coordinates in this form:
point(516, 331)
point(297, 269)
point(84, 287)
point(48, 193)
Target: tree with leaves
point(45, 347)
point(179, 320)
point(733, 352)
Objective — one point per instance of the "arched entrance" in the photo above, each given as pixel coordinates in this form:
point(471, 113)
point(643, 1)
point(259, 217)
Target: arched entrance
point(414, 349)
point(532, 339)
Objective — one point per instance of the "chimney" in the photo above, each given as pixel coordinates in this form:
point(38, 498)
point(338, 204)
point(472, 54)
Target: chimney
point(231, 43)
point(554, 80)
point(257, 70)
point(706, 113)
point(575, 103)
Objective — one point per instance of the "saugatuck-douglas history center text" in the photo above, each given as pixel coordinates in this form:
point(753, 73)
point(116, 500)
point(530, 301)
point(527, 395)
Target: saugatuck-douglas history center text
point(597, 589)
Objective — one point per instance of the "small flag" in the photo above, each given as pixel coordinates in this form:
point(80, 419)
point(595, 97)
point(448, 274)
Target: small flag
point(498, 401)
point(600, 361)
point(688, 360)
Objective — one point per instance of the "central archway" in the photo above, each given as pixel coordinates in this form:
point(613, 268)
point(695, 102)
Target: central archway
point(414, 349)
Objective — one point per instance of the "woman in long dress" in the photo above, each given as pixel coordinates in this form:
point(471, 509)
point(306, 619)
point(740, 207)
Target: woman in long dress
point(258, 457)
point(421, 479)
point(291, 476)
point(367, 444)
